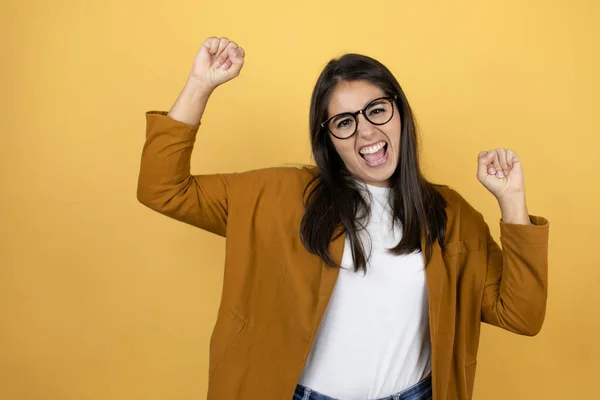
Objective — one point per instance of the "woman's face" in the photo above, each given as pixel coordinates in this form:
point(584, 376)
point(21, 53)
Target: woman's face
point(372, 153)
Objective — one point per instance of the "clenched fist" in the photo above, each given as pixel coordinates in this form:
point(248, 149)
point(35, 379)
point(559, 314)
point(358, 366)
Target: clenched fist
point(219, 60)
point(500, 172)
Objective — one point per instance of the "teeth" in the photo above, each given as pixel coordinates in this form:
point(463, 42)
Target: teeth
point(372, 149)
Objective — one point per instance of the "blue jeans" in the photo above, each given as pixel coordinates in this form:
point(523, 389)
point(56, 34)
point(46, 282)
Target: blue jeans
point(419, 391)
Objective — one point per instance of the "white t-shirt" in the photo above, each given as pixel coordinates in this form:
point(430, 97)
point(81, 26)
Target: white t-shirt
point(374, 337)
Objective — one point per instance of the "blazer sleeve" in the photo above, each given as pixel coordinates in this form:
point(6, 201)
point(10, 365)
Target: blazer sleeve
point(516, 284)
point(165, 183)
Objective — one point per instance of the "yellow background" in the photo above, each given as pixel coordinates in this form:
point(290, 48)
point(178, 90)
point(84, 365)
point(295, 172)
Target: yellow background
point(101, 298)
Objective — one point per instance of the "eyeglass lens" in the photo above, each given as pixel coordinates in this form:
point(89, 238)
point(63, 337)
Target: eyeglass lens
point(377, 112)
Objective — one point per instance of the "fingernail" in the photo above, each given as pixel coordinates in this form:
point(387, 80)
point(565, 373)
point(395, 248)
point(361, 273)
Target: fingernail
point(505, 172)
point(500, 174)
point(217, 64)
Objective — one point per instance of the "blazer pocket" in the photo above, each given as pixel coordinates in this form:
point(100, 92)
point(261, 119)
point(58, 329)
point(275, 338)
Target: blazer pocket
point(226, 331)
point(453, 248)
point(462, 247)
point(470, 378)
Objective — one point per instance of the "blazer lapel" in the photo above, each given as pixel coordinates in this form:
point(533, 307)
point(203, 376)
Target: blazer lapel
point(435, 272)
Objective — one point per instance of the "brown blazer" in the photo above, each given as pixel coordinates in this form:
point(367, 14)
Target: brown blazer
point(275, 292)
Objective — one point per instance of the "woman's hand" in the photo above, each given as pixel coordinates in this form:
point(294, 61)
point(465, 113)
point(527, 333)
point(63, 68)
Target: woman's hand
point(500, 172)
point(219, 60)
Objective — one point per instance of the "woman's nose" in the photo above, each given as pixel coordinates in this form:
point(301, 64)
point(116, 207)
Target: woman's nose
point(364, 127)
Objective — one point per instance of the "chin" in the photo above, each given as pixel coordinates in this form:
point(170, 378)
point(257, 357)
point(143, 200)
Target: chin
point(378, 181)
point(377, 176)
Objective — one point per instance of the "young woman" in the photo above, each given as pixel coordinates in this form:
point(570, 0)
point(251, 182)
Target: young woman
point(357, 278)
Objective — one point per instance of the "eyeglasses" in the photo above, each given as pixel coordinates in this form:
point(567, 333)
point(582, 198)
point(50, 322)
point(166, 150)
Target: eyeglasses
point(378, 112)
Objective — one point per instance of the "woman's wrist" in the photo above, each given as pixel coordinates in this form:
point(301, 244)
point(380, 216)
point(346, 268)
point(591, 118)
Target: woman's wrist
point(191, 103)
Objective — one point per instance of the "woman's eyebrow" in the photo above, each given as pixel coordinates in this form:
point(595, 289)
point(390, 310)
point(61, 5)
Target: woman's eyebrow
point(340, 115)
point(380, 98)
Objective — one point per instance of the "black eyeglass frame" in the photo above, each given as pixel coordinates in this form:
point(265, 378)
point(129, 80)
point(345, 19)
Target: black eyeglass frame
point(362, 111)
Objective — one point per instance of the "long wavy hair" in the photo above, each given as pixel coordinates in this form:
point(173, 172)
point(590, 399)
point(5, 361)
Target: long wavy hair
point(333, 202)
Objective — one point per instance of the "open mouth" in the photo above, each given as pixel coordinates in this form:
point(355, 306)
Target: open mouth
point(375, 155)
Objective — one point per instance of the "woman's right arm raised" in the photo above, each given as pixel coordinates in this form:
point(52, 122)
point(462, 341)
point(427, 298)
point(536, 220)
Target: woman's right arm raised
point(165, 183)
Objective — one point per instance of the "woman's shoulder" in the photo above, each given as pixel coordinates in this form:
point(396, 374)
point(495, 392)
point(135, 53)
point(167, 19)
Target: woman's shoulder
point(449, 194)
point(461, 213)
point(285, 171)
point(287, 177)
point(452, 196)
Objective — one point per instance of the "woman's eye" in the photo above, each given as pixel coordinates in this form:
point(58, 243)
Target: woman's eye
point(376, 111)
point(343, 123)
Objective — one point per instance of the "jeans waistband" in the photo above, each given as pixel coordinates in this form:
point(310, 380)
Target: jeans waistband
point(419, 391)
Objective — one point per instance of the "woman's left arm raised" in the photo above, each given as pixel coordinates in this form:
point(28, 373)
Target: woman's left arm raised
point(516, 282)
